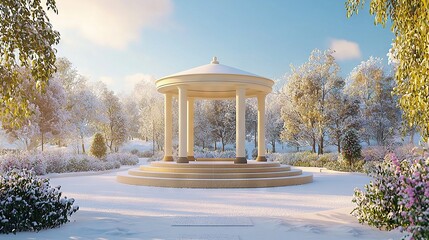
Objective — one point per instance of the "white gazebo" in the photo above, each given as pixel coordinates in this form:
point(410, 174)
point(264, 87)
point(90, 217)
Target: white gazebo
point(212, 81)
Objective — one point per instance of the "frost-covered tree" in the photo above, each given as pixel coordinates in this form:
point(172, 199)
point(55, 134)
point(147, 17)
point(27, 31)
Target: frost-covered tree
point(132, 114)
point(82, 107)
point(305, 97)
point(26, 40)
point(343, 113)
point(252, 120)
point(51, 105)
point(274, 122)
point(203, 128)
point(379, 114)
point(150, 106)
point(114, 127)
point(410, 51)
point(48, 112)
point(222, 119)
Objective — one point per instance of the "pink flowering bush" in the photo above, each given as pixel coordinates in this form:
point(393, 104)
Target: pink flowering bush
point(398, 196)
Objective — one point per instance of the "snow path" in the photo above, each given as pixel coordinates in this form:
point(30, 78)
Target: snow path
point(110, 210)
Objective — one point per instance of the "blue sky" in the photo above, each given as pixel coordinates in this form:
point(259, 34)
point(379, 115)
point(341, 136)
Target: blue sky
point(122, 42)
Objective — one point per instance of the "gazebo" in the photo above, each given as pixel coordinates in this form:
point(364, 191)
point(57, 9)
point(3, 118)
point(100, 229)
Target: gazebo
point(212, 81)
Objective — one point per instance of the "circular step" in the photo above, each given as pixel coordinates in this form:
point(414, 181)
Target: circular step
point(214, 174)
point(211, 175)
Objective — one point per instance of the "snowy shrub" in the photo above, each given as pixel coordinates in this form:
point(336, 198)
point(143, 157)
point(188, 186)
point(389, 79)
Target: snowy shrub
point(303, 159)
point(98, 146)
point(144, 154)
point(59, 162)
point(206, 153)
point(123, 158)
point(7, 151)
point(377, 153)
point(398, 196)
point(156, 157)
point(29, 203)
point(331, 161)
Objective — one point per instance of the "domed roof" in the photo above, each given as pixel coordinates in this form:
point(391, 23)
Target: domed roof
point(215, 80)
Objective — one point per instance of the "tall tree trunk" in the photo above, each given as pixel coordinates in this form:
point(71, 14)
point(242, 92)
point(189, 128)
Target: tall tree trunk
point(339, 145)
point(320, 150)
point(42, 141)
point(412, 136)
point(153, 137)
point(111, 145)
point(274, 145)
point(223, 145)
point(203, 144)
point(83, 146)
point(215, 146)
point(313, 145)
point(256, 132)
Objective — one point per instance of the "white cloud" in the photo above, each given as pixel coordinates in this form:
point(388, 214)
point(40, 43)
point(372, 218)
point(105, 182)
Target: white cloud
point(126, 84)
point(110, 23)
point(132, 80)
point(345, 50)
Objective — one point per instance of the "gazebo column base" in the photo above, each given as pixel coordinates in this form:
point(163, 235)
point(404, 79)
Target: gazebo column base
point(261, 159)
point(168, 158)
point(240, 160)
point(182, 160)
point(191, 158)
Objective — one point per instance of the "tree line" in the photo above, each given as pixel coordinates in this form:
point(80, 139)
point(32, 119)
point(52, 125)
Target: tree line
point(314, 107)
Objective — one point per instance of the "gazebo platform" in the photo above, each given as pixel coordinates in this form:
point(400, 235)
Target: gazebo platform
point(215, 174)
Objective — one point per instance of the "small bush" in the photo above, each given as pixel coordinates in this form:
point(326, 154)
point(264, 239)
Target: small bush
point(123, 158)
point(156, 157)
point(29, 203)
point(98, 146)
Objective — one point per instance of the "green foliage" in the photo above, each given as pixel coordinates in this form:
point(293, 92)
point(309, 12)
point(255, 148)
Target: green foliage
point(410, 53)
point(26, 40)
point(29, 203)
point(343, 166)
point(98, 146)
point(351, 146)
point(331, 161)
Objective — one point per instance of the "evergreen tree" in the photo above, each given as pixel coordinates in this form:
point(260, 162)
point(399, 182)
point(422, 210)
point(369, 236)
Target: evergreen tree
point(351, 147)
point(98, 146)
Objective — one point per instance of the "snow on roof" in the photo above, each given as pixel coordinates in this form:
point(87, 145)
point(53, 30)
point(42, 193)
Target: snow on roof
point(213, 68)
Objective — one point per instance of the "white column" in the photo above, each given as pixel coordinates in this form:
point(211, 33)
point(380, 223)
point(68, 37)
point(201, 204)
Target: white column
point(183, 156)
point(261, 128)
point(190, 122)
point(168, 128)
point(240, 125)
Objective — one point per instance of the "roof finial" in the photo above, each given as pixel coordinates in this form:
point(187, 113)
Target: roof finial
point(214, 61)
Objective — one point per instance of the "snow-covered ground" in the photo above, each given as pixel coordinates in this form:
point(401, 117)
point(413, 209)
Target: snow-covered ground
point(110, 210)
